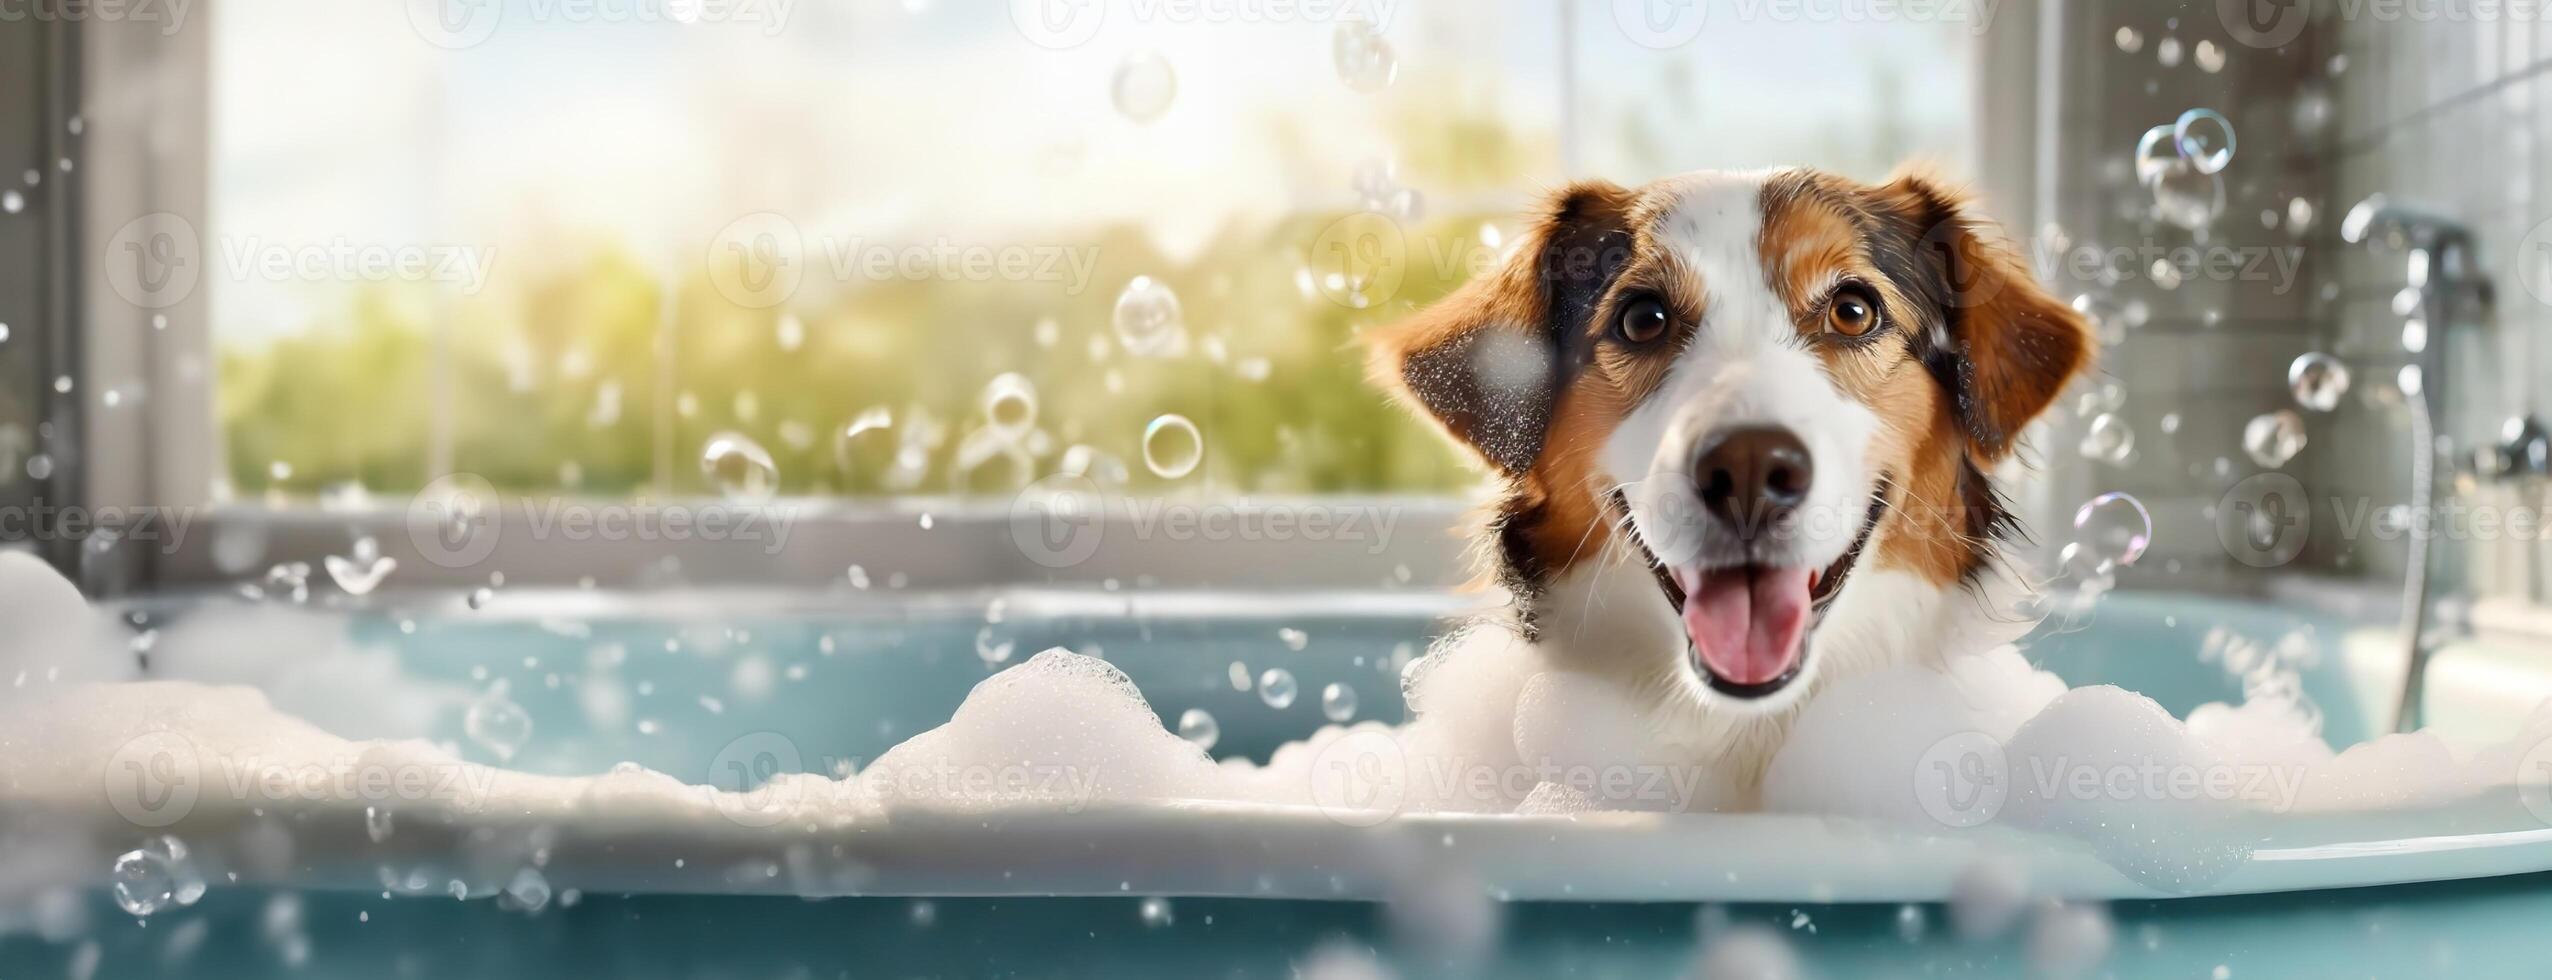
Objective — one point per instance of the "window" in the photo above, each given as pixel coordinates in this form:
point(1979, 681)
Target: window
point(590, 253)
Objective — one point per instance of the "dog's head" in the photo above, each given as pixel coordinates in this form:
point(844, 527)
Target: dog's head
point(1757, 382)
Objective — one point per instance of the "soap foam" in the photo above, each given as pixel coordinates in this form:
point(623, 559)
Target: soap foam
point(1495, 730)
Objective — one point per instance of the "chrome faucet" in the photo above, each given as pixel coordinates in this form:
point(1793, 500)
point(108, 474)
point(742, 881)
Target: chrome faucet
point(2443, 285)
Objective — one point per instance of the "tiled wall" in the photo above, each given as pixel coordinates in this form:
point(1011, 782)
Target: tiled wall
point(2444, 112)
point(2213, 350)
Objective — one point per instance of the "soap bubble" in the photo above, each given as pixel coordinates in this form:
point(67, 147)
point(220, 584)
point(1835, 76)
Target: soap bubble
point(2167, 51)
point(739, 467)
point(1143, 86)
point(1172, 447)
point(2205, 137)
point(156, 875)
point(1148, 320)
point(2112, 530)
point(1095, 465)
point(2319, 380)
point(1010, 405)
point(497, 724)
point(1198, 726)
point(377, 823)
point(360, 571)
point(1338, 702)
point(1364, 57)
point(2109, 440)
point(2183, 194)
point(2130, 40)
point(2069, 940)
point(1276, 687)
point(527, 891)
point(994, 644)
point(481, 596)
point(1293, 639)
point(2274, 438)
point(1155, 912)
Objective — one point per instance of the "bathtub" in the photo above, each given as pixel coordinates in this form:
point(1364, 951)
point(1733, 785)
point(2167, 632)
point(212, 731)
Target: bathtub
point(1141, 892)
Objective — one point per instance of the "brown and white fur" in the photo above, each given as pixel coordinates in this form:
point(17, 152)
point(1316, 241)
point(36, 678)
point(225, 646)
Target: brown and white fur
point(1594, 428)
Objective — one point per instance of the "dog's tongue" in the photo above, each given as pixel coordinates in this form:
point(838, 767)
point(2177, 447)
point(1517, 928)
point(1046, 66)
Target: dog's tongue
point(1745, 622)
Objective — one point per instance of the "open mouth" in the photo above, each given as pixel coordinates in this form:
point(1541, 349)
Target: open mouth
point(1748, 624)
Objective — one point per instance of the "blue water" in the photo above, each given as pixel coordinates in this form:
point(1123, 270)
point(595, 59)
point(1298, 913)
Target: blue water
point(892, 672)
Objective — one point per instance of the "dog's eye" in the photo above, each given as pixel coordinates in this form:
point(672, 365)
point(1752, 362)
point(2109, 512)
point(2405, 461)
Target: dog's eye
point(1642, 320)
point(1853, 312)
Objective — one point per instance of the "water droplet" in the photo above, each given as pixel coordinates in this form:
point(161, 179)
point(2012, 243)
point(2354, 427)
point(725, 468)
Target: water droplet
point(1143, 86)
point(2274, 438)
point(2319, 380)
point(377, 823)
point(739, 467)
point(528, 890)
point(1172, 447)
point(1156, 912)
point(156, 875)
point(994, 644)
point(1276, 687)
point(1295, 639)
point(2205, 138)
point(1010, 405)
point(2112, 530)
point(361, 570)
point(2108, 440)
point(1195, 725)
point(1148, 320)
point(1365, 59)
point(1338, 702)
point(2210, 57)
point(497, 724)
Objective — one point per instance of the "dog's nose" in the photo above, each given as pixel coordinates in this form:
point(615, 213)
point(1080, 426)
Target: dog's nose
point(1753, 477)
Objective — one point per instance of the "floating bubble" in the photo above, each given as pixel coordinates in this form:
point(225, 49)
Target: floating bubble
point(790, 332)
point(2108, 319)
point(481, 596)
point(1293, 639)
point(739, 467)
point(994, 644)
point(1365, 59)
point(865, 442)
point(497, 724)
point(1010, 405)
point(1338, 702)
point(1155, 912)
point(1148, 320)
point(1198, 726)
point(2167, 51)
point(156, 875)
point(1172, 447)
point(2205, 138)
point(2108, 440)
point(1143, 86)
point(12, 202)
point(377, 823)
point(1276, 687)
point(2319, 380)
point(528, 890)
point(2210, 57)
point(2130, 40)
point(2113, 530)
point(2414, 335)
point(1094, 465)
point(2274, 438)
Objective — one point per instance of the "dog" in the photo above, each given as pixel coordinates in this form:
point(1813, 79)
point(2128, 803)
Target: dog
point(1746, 428)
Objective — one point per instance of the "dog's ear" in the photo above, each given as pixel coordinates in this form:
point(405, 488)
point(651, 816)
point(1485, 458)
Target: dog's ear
point(1487, 362)
point(2006, 348)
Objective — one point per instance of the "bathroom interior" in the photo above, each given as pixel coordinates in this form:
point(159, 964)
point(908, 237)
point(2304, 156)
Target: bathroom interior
point(619, 426)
